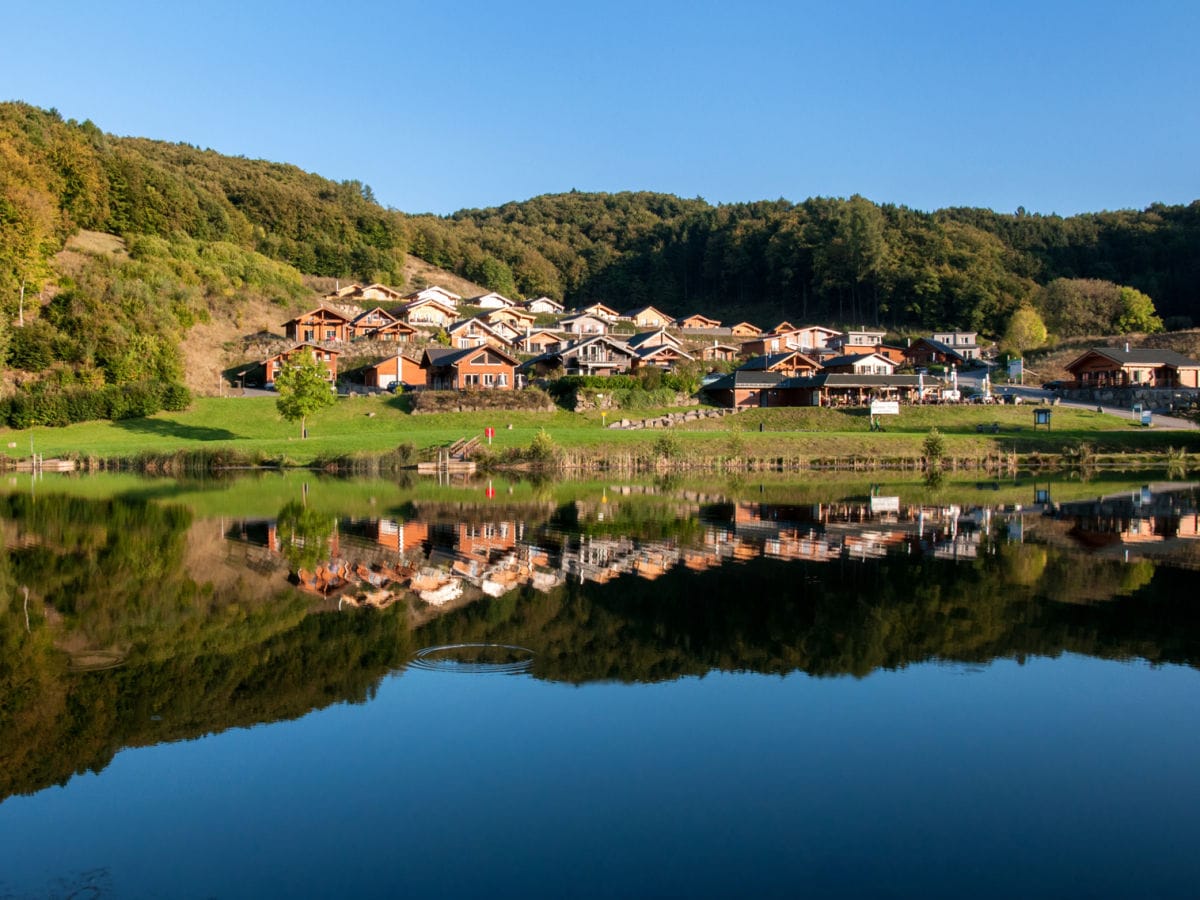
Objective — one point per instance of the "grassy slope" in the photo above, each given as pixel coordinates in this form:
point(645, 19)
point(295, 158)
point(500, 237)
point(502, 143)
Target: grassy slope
point(252, 426)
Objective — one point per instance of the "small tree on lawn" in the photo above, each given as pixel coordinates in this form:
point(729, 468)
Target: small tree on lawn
point(302, 389)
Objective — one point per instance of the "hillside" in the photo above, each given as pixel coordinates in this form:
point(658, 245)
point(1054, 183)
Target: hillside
point(216, 247)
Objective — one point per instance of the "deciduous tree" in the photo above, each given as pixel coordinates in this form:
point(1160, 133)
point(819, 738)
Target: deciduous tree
point(303, 389)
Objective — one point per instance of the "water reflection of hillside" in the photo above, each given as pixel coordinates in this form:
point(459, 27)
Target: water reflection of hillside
point(620, 587)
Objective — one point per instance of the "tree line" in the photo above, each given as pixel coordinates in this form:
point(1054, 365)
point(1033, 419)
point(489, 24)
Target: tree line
point(836, 260)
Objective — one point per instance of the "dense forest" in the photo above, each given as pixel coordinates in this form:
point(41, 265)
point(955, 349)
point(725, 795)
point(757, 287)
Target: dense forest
point(203, 229)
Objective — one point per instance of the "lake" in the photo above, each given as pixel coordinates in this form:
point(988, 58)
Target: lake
point(288, 685)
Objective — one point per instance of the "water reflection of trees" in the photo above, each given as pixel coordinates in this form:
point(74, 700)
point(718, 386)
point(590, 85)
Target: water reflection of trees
point(110, 575)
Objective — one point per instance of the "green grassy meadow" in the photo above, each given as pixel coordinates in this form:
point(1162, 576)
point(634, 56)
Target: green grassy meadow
point(371, 425)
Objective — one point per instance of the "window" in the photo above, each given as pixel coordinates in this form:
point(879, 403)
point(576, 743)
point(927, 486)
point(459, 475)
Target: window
point(471, 380)
point(330, 333)
point(502, 380)
point(487, 380)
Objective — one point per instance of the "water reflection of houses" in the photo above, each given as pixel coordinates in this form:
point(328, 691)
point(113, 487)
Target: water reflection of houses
point(1150, 521)
point(824, 532)
point(457, 552)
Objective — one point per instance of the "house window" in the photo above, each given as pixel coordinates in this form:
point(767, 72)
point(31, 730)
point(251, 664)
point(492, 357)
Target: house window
point(308, 334)
point(502, 379)
point(487, 380)
point(471, 380)
point(329, 334)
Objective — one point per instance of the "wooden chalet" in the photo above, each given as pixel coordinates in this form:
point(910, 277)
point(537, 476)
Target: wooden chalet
point(779, 341)
point(543, 306)
point(319, 325)
point(649, 317)
point(698, 322)
point(658, 338)
point(1108, 367)
point(434, 292)
point(852, 340)
point(745, 330)
point(744, 389)
point(401, 369)
point(429, 313)
point(788, 363)
point(859, 364)
point(964, 343)
point(327, 357)
point(717, 352)
point(783, 327)
point(476, 332)
point(928, 351)
point(584, 323)
point(393, 333)
point(663, 356)
point(366, 322)
point(476, 368)
point(491, 300)
point(601, 311)
point(372, 293)
point(844, 389)
point(513, 315)
point(538, 340)
point(599, 354)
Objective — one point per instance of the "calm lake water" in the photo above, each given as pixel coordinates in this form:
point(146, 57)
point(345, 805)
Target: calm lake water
point(288, 686)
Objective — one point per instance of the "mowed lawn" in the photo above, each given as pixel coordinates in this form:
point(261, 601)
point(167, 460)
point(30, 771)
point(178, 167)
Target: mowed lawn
point(364, 425)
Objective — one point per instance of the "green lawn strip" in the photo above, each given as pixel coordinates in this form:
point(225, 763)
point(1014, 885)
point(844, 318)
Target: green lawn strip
point(369, 425)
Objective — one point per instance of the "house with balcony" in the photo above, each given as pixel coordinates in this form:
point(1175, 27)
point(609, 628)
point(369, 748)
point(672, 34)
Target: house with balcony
point(319, 325)
point(325, 356)
point(596, 355)
point(1134, 367)
point(475, 368)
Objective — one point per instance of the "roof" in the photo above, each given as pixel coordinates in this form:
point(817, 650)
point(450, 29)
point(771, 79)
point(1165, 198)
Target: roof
point(849, 380)
point(742, 379)
point(658, 312)
point(647, 352)
point(377, 309)
point(320, 309)
point(852, 358)
point(1140, 356)
point(638, 339)
point(771, 360)
point(939, 346)
point(451, 357)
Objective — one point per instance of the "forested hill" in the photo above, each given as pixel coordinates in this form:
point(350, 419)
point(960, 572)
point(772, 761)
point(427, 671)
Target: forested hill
point(831, 260)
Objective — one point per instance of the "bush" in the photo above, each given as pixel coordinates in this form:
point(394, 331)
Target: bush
point(176, 398)
point(543, 448)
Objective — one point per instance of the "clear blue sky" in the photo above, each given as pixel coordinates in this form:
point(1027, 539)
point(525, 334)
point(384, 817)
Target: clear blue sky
point(1058, 107)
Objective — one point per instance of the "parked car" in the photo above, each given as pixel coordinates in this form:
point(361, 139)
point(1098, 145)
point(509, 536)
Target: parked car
point(1054, 385)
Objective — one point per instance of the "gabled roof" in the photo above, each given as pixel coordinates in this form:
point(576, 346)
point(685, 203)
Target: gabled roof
point(657, 312)
point(744, 325)
point(936, 346)
point(471, 323)
point(648, 352)
point(640, 338)
point(377, 309)
point(449, 357)
point(430, 301)
point(490, 295)
point(320, 309)
point(433, 290)
point(770, 360)
point(783, 326)
point(709, 322)
point(315, 348)
point(741, 379)
point(1139, 356)
point(852, 358)
point(549, 300)
point(612, 313)
point(513, 312)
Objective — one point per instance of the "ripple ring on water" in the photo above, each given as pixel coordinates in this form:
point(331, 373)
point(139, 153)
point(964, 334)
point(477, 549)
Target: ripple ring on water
point(443, 659)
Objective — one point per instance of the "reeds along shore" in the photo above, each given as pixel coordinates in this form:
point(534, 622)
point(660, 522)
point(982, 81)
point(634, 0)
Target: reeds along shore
point(658, 459)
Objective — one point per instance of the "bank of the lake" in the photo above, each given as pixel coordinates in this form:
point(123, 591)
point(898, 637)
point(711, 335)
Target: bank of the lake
point(218, 432)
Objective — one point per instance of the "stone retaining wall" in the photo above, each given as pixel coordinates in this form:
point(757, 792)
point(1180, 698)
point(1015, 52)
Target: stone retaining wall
point(1151, 398)
point(671, 419)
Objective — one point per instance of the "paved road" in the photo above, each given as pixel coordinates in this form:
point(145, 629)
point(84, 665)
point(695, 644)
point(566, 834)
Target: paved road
point(973, 378)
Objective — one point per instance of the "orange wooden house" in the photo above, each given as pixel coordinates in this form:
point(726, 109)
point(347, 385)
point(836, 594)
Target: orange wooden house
point(320, 324)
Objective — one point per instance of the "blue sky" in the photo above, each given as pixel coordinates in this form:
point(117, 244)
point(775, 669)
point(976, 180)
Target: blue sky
point(1058, 107)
